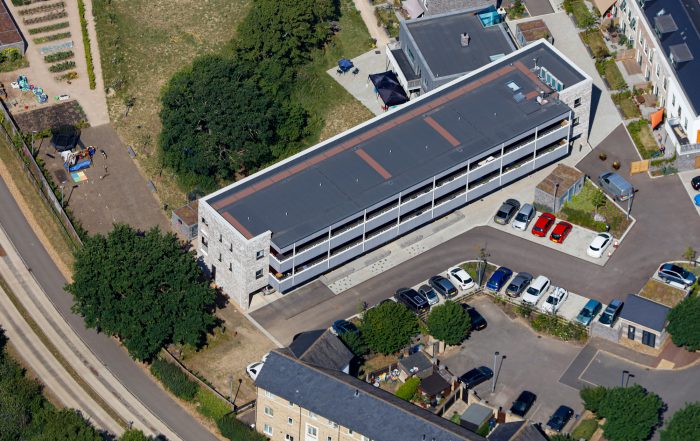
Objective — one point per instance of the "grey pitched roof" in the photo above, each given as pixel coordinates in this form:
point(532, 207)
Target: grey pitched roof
point(321, 348)
point(353, 403)
point(645, 312)
point(418, 360)
point(434, 384)
point(516, 431)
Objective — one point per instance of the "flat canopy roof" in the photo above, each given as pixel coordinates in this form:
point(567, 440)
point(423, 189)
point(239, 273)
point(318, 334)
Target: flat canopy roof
point(438, 39)
point(645, 312)
point(391, 153)
point(683, 41)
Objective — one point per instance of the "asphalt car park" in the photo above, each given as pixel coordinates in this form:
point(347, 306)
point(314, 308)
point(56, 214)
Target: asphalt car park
point(575, 244)
point(536, 369)
point(687, 181)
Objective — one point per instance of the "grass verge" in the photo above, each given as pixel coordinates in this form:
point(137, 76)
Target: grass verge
point(624, 101)
point(594, 40)
point(473, 267)
point(585, 429)
point(643, 138)
point(662, 293)
point(608, 68)
point(580, 210)
point(57, 354)
point(86, 43)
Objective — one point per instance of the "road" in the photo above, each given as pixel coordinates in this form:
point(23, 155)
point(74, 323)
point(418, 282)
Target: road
point(108, 352)
point(666, 224)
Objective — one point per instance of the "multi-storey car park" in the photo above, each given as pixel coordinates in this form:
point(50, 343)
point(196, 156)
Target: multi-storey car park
point(293, 221)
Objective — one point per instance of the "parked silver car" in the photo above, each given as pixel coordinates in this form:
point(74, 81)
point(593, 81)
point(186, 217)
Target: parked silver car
point(506, 212)
point(524, 216)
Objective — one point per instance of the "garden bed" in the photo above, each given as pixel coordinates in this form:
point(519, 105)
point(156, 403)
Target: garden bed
point(473, 268)
point(626, 104)
point(386, 18)
point(662, 293)
point(594, 40)
point(643, 138)
point(580, 211)
point(608, 69)
point(583, 17)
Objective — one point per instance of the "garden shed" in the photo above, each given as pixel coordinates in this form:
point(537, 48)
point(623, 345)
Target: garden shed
point(418, 364)
point(184, 220)
point(644, 321)
point(558, 187)
point(434, 385)
point(531, 31)
point(475, 416)
point(10, 36)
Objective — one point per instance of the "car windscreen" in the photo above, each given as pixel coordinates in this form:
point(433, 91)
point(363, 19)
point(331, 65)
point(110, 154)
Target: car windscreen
point(556, 236)
point(585, 313)
point(594, 248)
point(521, 217)
point(502, 213)
point(552, 300)
point(533, 291)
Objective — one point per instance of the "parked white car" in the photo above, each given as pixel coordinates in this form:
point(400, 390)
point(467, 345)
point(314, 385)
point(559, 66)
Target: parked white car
point(554, 300)
point(599, 245)
point(524, 217)
point(460, 278)
point(254, 369)
point(533, 292)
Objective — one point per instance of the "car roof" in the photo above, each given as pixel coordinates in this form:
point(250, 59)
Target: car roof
point(615, 303)
point(592, 303)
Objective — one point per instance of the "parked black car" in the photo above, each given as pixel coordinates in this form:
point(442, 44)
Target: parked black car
point(523, 403)
point(561, 416)
point(443, 286)
point(695, 183)
point(478, 322)
point(476, 376)
point(412, 300)
point(507, 211)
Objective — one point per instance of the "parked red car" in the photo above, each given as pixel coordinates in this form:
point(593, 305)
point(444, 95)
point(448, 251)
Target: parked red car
point(560, 232)
point(543, 224)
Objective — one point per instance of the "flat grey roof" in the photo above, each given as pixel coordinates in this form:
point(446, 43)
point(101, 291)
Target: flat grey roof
point(377, 160)
point(645, 312)
point(438, 39)
point(352, 403)
point(404, 65)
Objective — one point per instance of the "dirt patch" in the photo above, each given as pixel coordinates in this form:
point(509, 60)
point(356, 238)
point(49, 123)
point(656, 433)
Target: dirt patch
point(224, 359)
point(662, 293)
point(65, 114)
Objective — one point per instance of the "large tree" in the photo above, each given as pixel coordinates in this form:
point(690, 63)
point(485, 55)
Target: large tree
point(684, 323)
point(684, 424)
point(449, 322)
point(388, 327)
point(217, 122)
point(143, 287)
point(631, 413)
point(67, 425)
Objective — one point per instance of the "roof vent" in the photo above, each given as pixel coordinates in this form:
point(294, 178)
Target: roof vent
point(464, 39)
point(661, 12)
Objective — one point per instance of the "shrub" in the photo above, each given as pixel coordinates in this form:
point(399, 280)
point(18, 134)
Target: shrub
point(585, 429)
point(60, 67)
point(524, 310)
point(51, 27)
point(53, 37)
point(174, 379)
point(58, 56)
point(684, 424)
point(42, 8)
point(48, 17)
point(563, 329)
point(86, 43)
point(684, 323)
point(67, 76)
point(355, 342)
point(408, 390)
point(210, 405)
point(235, 430)
point(630, 413)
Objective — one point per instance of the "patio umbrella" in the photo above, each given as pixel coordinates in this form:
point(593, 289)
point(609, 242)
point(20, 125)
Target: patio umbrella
point(656, 118)
point(345, 65)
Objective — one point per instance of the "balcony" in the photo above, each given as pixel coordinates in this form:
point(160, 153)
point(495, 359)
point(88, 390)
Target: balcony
point(679, 138)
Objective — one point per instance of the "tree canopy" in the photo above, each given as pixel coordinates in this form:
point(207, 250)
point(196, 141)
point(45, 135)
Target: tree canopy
point(449, 323)
point(355, 342)
point(684, 323)
point(143, 287)
point(217, 122)
point(388, 327)
point(134, 435)
point(631, 413)
point(593, 397)
point(684, 424)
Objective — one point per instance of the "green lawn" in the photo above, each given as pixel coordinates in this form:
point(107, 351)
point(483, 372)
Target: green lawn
point(610, 71)
point(626, 104)
point(643, 138)
point(580, 211)
point(582, 15)
point(585, 429)
point(472, 269)
point(594, 40)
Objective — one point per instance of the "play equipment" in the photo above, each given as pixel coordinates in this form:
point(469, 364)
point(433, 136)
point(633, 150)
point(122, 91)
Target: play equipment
point(23, 83)
point(24, 86)
point(74, 161)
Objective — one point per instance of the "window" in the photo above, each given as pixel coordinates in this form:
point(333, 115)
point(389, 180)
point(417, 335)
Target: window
point(230, 247)
point(410, 54)
point(630, 332)
point(290, 421)
point(268, 394)
point(267, 429)
point(288, 437)
point(221, 237)
point(330, 438)
point(576, 121)
point(230, 267)
point(664, 83)
point(685, 123)
point(577, 102)
point(258, 274)
point(259, 254)
point(205, 242)
point(350, 432)
point(658, 70)
point(312, 415)
point(648, 339)
point(673, 100)
point(334, 425)
point(204, 221)
point(364, 438)
point(268, 411)
point(219, 257)
point(311, 431)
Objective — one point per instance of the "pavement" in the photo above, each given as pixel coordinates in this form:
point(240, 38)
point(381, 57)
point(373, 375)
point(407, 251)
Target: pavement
point(538, 7)
point(107, 353)
point(358, 85)
point(685, 178)
point(93, 101)
point(535, 369)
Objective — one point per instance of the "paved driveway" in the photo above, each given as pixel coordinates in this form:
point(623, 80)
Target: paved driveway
point(666, 225)
point(532, 363)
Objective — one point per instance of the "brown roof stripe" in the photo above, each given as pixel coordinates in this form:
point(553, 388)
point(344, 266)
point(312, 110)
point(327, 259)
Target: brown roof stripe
point(442, 131)
point(372, 163)
point(237, 225)
point(358, 139)
point(531, 95)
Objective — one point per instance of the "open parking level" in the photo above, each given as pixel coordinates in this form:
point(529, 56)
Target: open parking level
point(574, 245)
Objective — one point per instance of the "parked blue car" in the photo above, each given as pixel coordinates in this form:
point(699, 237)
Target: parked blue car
point(499, 278)
point(592, 308)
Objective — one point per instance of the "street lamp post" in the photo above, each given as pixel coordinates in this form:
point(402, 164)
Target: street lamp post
point(495, 373)
point(554, 203)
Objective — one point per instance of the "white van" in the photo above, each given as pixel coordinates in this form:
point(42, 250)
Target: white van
point(533, 292)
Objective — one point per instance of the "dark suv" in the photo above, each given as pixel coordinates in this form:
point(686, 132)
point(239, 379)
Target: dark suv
point(443, 286)
point(412, 300)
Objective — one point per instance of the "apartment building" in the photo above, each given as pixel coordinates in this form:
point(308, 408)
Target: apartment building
point(666, 38)
point(299, 401)
point(434, 50)
point(304, 216)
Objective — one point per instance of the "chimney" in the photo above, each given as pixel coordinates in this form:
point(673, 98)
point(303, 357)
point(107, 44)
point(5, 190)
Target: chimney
point(464, 39)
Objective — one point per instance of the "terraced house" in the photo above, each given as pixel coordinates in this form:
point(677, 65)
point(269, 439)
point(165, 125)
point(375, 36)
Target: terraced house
point(291, 222)
point(666, 37)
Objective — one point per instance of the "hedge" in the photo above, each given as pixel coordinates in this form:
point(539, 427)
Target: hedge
point(60, 67)
point(58, 56)
point(174, 379)
point(42, 8)
point(235, 430)
point(407, 390)
point(54, 37)
point(51, 27)
point(211, 405)
point(48, 17)
point(86, 43)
